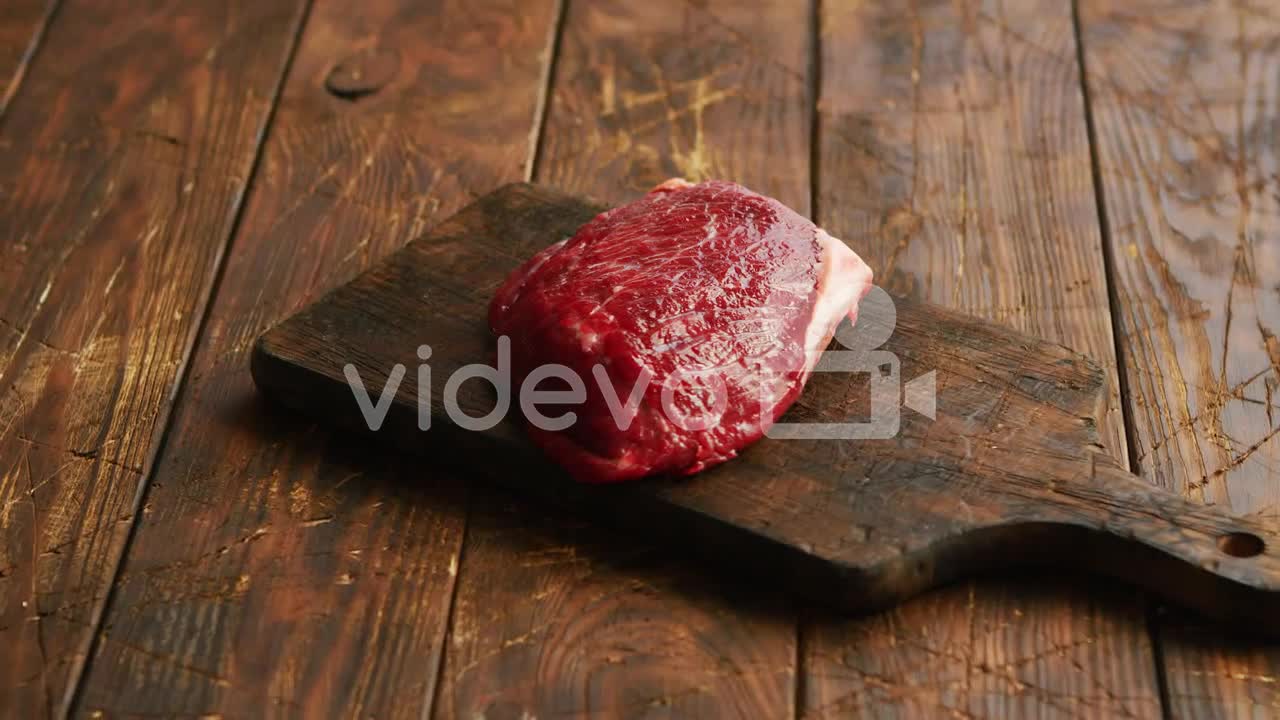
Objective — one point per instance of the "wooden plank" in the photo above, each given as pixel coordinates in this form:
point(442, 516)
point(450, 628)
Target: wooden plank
point(954, 157)
point(22, 27)
point(553, 619)
point(122, 165)
point(310, 578)
point(1184, 101)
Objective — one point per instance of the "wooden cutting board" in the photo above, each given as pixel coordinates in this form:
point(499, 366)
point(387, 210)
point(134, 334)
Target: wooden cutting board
point(1009, 473)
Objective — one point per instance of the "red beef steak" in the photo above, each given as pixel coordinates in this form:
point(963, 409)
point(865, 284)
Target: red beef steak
point(679, 326)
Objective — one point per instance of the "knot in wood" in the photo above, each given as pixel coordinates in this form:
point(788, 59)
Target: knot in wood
point(362, 73)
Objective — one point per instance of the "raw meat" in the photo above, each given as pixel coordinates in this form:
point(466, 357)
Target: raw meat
point(720, 298)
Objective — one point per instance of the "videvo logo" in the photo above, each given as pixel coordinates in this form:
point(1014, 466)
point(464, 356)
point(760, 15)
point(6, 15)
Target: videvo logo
point(861, 353)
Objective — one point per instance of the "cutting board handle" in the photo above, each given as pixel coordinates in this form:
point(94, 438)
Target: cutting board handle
point(1224, 566)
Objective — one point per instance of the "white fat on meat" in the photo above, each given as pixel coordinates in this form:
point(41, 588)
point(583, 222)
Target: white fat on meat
point(843, 280)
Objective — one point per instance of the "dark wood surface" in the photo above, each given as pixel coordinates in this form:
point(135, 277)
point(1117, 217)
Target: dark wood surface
point(324, 589)
point(955, 158)
point(123, 162)
point(959, 146)
point(1188, 165)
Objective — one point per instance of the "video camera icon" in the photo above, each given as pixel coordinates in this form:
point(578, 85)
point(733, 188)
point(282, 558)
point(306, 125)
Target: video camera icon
point(877, 318)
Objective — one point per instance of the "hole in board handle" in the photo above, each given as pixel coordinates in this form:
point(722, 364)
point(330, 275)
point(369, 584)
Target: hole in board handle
point(1241, 544)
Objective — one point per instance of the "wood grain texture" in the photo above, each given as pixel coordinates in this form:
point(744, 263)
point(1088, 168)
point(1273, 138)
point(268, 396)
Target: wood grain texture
point(22, 27)
point(1184, 99)
point(280, 569)
point(955, 159)
point(642, 92)
point(122, 166)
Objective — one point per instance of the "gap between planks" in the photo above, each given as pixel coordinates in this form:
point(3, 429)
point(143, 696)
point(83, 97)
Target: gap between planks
point(1113, 307)
point(24, 62)
point(82, 661)
point(814, 82)
point(537, 134)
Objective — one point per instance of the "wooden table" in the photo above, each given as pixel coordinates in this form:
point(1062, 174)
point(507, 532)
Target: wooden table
point(175, 177)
